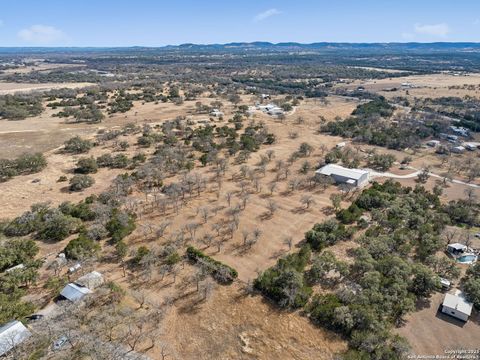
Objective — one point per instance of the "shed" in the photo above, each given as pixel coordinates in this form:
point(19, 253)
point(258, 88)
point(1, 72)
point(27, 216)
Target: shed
point(74, 292)
point(433, 143)
point(456, 248)
point(11, 335)
point(91, 280)
point(458, 149)
point(342, 175)
point(457, 306)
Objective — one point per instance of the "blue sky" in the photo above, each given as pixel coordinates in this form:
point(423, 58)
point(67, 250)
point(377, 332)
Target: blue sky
point(157, 23)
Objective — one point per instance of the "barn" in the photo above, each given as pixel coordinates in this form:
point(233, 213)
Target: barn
point(342, 175)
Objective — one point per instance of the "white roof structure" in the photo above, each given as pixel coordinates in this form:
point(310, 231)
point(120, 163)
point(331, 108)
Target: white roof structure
point(457, 246)
point(12, 334)
point(335, 169)
point(74, 292)
point(90, 280)
point(458, 302)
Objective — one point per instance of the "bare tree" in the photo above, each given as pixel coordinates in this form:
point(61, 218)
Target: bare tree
point(272, 207)
point(288, 241)
point(229, 196)
point(307, 200)
point(204, 214)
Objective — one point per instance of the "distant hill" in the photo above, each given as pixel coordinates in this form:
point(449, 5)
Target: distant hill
point(263, 46)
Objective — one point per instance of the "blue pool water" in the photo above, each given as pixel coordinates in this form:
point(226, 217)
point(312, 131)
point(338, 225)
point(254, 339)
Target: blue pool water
point(467, 258)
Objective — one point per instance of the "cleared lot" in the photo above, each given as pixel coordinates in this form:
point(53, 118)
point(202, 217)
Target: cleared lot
point(430, 332)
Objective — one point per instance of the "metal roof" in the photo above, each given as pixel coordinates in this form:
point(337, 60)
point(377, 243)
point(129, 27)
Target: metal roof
point(458, 302)
point(335, 169)
point(457, 246)
point(12, 334)
point(73, 292)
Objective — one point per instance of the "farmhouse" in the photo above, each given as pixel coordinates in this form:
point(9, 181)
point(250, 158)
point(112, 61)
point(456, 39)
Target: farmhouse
point(457, 306)
point(12, 334)
point(342, 175)
point(74, 292)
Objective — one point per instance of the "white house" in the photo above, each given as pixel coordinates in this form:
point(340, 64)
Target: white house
point(458, 149)
point(11, 335)
point(74, 292)
point(433, 143)
point(276, 111)
point(342, 175)
point(456, 249)
point(457, 306)
point(471, 146)
point(216, 113)
point(459, 130)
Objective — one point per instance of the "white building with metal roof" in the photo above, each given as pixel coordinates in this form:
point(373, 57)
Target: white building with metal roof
point(11, 335)
point(74, 292)
point(343, 175)
point(457, 306)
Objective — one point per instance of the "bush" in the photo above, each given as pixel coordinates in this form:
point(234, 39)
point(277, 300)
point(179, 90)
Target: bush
point(17, 251)
point(24, 164)
point(221, 272)
point(77, 145)
point(80, 248)
point(326, 234)
point(284, 283)
point(86, 166)
point(80, 182)
point(57, 226)
point(322, 309)
point(120, 225)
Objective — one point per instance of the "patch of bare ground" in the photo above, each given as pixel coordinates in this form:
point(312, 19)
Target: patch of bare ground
point(12, 88)
point(231, 325)
point(430, 332)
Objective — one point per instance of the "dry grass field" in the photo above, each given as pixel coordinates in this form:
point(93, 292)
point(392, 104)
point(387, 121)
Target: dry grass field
point(230, 324)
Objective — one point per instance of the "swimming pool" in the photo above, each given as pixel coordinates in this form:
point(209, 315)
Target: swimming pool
point(467, 259)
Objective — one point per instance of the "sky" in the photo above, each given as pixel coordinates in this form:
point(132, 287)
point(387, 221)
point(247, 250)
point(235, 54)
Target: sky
point(159, 23)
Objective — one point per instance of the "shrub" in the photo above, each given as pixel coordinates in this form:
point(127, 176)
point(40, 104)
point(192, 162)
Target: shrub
point(81, 247)
point(24, 164)
point(17, 251)
point(221, 272)
point(86, 166)
point(120, 225)
point(80, 182)
point(57, 226)
point(77, 145)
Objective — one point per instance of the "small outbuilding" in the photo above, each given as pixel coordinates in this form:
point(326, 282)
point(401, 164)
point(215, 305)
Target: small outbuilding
point(91, 280)
point(433, 143)
point(457, 306)
point(11, 335)
point(456, 249)
point(74, 292)
point(342, 175)
point(458, 149)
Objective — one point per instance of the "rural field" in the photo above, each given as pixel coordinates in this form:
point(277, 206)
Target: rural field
point(198, 190)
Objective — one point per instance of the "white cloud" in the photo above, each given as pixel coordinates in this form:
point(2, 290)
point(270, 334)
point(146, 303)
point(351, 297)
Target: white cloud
point(438, 30)
point(41, 35)
point(266, 14)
